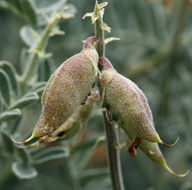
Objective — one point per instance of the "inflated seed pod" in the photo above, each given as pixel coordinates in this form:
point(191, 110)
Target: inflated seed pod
point(66, 89)
point(134, 114)
point(124, 97)
point(74, 125)
point(151, 150)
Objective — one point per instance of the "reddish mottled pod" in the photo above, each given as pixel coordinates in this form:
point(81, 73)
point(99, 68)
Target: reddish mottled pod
point(151, 150)
point(74, 125)
point(131, 105)
point(66, 89)
point(134, 115)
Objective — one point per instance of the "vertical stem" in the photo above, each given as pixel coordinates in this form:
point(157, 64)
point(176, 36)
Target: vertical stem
point(100, 34)
point(72, 178)
point(32, 66)
point(29, 72)
point(113, 153)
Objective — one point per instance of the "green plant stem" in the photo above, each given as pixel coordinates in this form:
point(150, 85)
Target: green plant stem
point(113, 153)
point(73, 179)
point(32, 66)
point(100, 34)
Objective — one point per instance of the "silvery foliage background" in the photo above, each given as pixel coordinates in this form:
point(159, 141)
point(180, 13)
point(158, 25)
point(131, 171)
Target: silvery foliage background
point(147, 30)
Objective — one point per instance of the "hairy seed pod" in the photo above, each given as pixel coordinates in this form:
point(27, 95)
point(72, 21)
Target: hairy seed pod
point(134, 114)
point(152, 151)
point(66, 89)
point(74, 125)
point(131, 105)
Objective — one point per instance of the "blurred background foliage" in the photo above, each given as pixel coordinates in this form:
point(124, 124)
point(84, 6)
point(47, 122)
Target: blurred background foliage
point(155, 51)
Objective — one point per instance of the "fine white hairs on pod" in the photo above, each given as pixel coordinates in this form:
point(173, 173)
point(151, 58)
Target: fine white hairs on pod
point(125, 98)
point(66, 89)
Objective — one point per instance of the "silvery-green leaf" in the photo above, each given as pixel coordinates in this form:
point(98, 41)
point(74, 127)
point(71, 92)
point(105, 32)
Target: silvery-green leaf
point(16, 125)
point(38, 88)
point(29, 11)
point(45, 8)
point(8, 145)
point(24, 171)
point(9, 115)
point(51, 153)
point(25, 101)
point(9, 69)
point(27, 36)
point(5, 87)
point(45, 12)
point(44, 70)
point(48, 5)
point(23, 155)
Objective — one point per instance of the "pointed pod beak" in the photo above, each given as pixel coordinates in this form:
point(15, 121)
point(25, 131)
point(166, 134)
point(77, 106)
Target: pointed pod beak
point(27, 142)
point(165, 144)
point(174, 173)
point(28, 146)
